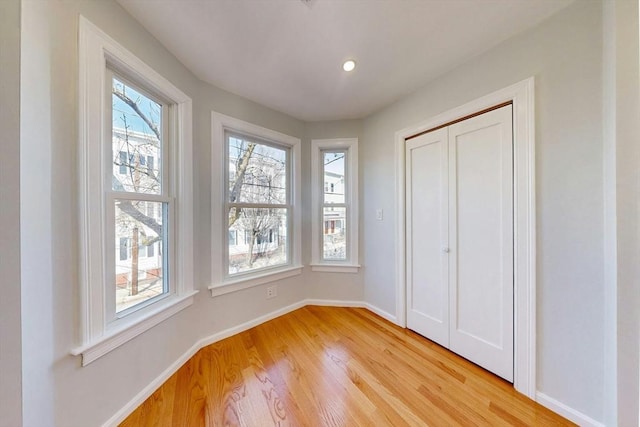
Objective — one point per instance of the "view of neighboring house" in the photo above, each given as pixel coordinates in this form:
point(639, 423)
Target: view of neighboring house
point(334, 217)
point(138, 247)
point(257, 199)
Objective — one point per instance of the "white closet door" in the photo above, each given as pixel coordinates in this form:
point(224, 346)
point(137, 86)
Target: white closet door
point(481, 240)
point(427, 265)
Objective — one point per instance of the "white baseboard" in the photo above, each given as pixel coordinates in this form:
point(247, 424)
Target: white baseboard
point(567, 412)
point(333, 303)
point(139, 398)
point(385, 315)
point(144, 394)
point(359, 304)
point(250, 324)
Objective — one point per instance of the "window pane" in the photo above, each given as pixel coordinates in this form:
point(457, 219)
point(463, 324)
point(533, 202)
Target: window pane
point(334, 237)
point(265, 242)
point(257, 172)
point(122, 167)
point(139, 272)
point(136, 141)
point(334, 183)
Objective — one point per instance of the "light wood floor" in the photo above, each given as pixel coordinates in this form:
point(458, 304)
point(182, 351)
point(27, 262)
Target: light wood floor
point(322, 366)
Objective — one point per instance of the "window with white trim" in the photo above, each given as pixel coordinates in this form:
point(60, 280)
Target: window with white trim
point(257, 201)
point(141, 196)
point(135, 194)
point(335, 205)
point(256, 223)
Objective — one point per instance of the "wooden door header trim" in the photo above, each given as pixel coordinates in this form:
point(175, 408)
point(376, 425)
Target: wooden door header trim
point(461, 119)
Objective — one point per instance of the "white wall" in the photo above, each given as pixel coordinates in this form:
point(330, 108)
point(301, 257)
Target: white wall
point(610, 225)
point(10, 337)
point(564, 54)
point(626, 137)
point(37, 152)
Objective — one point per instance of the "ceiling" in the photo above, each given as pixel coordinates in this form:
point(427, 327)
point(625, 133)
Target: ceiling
point(288, 54)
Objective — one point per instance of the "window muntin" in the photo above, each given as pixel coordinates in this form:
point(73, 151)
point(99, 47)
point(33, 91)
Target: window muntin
point(139, 198)
point(258, 204)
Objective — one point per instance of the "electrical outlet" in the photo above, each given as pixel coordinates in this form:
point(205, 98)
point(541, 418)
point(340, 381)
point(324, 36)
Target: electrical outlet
point(272, 291)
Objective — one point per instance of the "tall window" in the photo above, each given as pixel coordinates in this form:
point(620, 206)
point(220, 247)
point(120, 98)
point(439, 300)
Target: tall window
point(257, 202)
point(135, 192)
point(140, 196)
point(335, 205)
point(256, 205)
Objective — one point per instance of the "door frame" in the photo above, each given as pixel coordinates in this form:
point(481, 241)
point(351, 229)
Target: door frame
point(521, 95)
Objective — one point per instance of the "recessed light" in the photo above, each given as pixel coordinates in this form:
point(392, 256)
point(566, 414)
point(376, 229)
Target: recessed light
point(349, 65)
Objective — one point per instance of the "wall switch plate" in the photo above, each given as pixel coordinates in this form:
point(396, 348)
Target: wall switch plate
point(379, 214)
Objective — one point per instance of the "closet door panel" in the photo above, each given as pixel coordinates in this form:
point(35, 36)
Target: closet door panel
point(427, 268)
point(481, 236)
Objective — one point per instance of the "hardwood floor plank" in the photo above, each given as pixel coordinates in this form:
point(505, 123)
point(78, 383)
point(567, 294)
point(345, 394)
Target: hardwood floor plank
point(341, 401)
point(332, 361)
point(403, 373)
point(291, 405)
point(479, 384)
point(328, 366)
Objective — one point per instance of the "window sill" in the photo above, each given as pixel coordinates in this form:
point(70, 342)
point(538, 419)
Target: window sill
point(239, 284)
point(113, 339)
point(336, 268)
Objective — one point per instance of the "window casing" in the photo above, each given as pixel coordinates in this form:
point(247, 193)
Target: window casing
point(335, 205)
point(255, 205)
point(136, 242)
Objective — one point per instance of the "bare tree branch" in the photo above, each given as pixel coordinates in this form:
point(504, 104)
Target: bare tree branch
point(239, 181)
point(134, 106)
point(127, 207)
